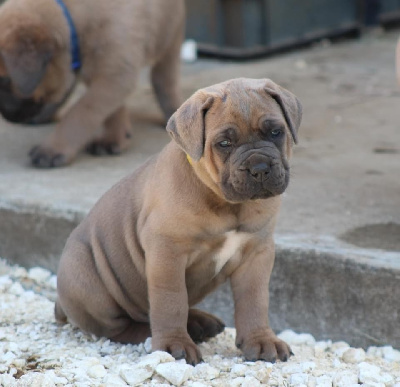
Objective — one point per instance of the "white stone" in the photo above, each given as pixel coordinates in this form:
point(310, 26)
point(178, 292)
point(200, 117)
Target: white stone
point(339, 348)
point(16, 289)
point(19, 363)
point(28, 296)
point(8, 357)
point(136, 374)
point(39, 274)
point(147, 345)
point(345, 379)
point(293, 338)
point(20, 272)
point(176, 373)
point(6, 380)
point(97, 371)
point(322, 346)
point(262, 374)
point(293, 368)
point(155, 358)
point(52, 282)
point(5, 283)
point(375, 351)
point(391, 354)
point(236, 382)
point(205, 371)
point(298, 379)
point(323, 381)
point(34, 379)
point(298, 367)
point(238, 370)
point(250, 381)
point(112, 379)
point(354, 355)
point(369, 373)
point(198, 384)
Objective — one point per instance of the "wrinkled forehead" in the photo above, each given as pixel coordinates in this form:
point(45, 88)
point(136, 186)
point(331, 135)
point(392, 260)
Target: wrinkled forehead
point(242, 104)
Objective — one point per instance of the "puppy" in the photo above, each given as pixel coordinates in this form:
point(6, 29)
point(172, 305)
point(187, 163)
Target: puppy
point(45, 45)
point(200, 212)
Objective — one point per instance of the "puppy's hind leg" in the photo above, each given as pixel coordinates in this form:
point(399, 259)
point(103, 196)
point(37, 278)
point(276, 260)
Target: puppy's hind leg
point(202, 325)
point(165, 76)
point(61, 317)
point(116, 137)
point(135, 333)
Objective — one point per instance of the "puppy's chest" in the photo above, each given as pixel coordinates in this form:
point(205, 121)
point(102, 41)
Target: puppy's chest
point(231, 249)
point(220, 254)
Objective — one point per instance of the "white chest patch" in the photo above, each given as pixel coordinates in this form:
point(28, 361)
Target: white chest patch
point(233, 243)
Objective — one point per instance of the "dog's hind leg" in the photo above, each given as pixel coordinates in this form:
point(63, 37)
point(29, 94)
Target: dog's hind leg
point(165, 76)
point(116, 136)
point(61, 317)
point(135, 333)
point(202, 325)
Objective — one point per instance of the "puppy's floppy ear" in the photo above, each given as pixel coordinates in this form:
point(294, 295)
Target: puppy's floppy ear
point(26, 54)
point(187, 124)
point(289, 104)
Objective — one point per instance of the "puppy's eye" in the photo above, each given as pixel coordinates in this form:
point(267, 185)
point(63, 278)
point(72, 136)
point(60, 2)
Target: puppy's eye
point(276, 133)
point(225, 144)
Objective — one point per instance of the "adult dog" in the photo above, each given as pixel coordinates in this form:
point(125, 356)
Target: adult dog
point(46, 44)
point(200, 212)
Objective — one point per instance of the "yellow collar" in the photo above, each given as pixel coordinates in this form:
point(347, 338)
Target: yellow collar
point(189, 159)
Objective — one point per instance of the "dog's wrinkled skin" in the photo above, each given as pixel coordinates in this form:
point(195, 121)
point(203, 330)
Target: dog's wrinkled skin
point(200, 212)
point(117, 38)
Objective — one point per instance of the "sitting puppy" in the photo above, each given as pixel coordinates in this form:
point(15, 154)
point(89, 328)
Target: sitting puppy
point(200, 212)
point(46, 44)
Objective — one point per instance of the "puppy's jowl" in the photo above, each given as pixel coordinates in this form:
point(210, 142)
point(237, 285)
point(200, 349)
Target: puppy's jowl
point(200, 212)
point(46, 45)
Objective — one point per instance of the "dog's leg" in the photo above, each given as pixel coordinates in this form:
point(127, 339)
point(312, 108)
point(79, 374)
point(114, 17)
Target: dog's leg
point(165, 76)
point(117, 134)
point(135, 333)
point(169, 304)
point(82, 122)
point(202, 326)
point(250, 283)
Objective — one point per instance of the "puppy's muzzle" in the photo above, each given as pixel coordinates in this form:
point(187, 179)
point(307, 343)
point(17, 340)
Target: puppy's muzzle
point(257, 173)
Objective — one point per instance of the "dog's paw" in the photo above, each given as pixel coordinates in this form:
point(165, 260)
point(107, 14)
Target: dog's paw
point(101, 148)
point(44, 157)
point(181, 347)
point(202, 326)
point(263, 345)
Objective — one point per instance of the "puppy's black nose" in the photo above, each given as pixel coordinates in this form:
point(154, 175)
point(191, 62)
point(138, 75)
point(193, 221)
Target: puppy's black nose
point(259, 171)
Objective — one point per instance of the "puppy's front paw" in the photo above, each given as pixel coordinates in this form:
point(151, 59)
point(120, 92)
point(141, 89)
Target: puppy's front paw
point(179, 346)
point(263, 345)
point(44, 157)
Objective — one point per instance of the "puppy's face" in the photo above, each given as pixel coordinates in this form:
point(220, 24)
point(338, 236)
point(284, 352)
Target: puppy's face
point(34, 75)
point(240, 134)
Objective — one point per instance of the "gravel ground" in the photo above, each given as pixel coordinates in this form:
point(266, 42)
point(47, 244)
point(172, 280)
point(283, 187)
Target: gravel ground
point(35, 351)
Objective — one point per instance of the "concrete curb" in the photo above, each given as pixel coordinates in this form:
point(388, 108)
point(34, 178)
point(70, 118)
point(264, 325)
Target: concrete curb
point(320, 286)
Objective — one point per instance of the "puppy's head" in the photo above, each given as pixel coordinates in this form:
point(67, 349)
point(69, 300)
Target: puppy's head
point(239, 135)
point(34, 73)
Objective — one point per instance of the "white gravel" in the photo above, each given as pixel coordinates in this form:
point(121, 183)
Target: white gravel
point(36, 352)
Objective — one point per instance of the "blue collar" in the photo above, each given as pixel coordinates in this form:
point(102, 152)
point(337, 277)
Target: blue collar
point(75, 51)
